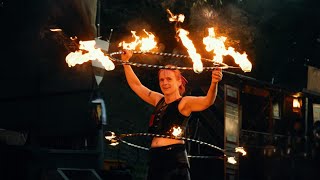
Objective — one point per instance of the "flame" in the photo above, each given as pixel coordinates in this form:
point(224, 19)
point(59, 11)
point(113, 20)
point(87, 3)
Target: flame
point(177, 18)
point(55, 30)
point(231, 160)
point(111, 138)
point(296, 103)
point(92, 53)
point(195, 57)
point(146, 44)
point(132, 45)
point(217, 45)
point(176, 131)
point(241, 150)
point(183, 35)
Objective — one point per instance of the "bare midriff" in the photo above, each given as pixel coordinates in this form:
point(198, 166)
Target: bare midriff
point(159, 142)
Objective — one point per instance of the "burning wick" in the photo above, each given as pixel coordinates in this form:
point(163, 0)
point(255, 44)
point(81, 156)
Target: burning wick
point(56, 30)
point(176, 131)
point(110, 137)
point(241, 150)
point(231, 160)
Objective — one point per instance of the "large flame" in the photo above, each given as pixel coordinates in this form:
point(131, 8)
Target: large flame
point(195, 57)
point(89, 52)
point(146, 43)
point(183, 35)
point(212, 44)
point(217, 46)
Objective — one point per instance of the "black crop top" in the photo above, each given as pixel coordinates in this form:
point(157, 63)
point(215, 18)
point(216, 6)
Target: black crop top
point(165, 117)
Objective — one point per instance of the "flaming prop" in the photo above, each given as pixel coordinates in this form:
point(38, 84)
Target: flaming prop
point(175, 18)
point(241, 150)
point(217, 46)
point(89, 52)
point(196, 58)
point(183, 35)
point(176, 131)
point(111, 138)
point(231, 160)
point(146, 44)
point(212, 44)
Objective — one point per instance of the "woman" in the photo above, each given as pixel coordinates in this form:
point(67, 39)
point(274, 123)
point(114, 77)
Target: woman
point(168, 157)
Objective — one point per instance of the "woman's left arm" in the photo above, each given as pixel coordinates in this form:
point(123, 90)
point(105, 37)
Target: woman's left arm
point(199, 103)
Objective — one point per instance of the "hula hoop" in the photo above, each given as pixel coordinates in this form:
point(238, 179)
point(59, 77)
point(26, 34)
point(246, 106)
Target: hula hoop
point(215, 64)
point(121, 136)
point(170, 137)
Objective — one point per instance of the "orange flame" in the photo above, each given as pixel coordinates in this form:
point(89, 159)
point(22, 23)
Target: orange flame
point(177, 18)
point(183, 35)
point(217, 45)
point(92, 53)
point(195, 57)
point(132, 45)
point(146, 44)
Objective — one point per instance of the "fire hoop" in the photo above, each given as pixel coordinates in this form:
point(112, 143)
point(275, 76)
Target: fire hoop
point(215, 64)
point(114, 139)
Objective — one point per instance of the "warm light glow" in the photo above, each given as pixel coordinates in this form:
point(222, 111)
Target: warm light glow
point(296, 103)
point(111, 138)
point(183, 35)
point(216, 44)
point(132, 45)
point(74, 38)
point(148, 43)
point(195, 57)
point(177, 18)
point(56, 30)
point(241, 150)
point(145, 43)
point(176, 131)
point(213, 43)
point(231, 160)
point(89, 53)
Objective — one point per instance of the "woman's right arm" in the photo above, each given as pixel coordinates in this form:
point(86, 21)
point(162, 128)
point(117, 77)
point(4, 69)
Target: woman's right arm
point(143, 92)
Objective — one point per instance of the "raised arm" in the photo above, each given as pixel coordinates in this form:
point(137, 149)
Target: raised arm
point(143, 92)
point(199, 103)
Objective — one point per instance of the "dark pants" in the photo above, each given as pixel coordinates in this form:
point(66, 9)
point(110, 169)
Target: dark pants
point(169, 163)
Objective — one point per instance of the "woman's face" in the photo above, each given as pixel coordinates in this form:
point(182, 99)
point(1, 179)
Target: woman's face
point(168, 82)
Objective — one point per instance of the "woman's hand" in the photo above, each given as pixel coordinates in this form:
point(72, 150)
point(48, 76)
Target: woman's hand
point(216, 75)
point(126, 55)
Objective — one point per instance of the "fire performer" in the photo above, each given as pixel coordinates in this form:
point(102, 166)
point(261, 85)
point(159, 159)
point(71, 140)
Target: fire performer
point(168, 157)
